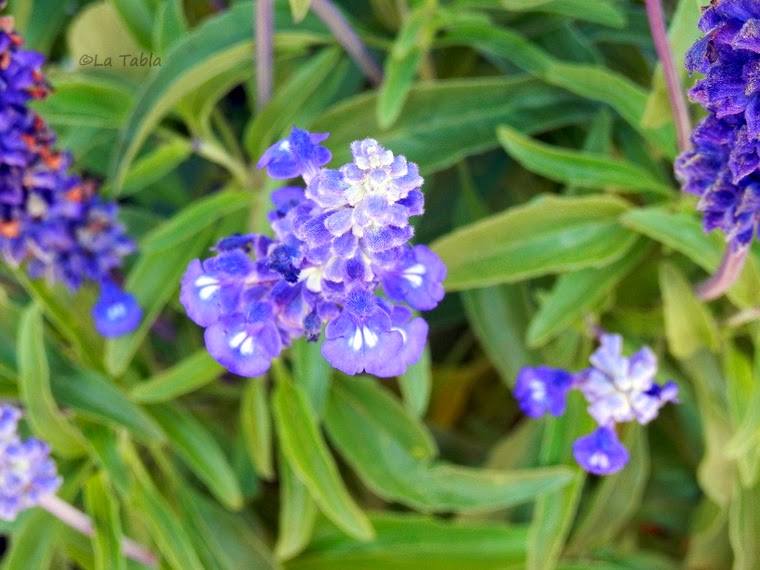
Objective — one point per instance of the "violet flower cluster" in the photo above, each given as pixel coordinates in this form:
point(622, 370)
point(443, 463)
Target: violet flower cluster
point(336, 242)
point(27, 474)
point(617, 389)
point(723, 168)
point(51, 220)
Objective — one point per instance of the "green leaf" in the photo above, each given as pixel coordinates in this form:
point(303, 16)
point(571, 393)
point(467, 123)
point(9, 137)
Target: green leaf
point(33, 544)
point(148, 283)
point(307, 453)
point(499, 317)
point(208, 51)
point(591, 170)
point(170, 25)
point(616, 499)
point(410, 542)
point(200, 451)
point(156, 164)
point(47, 421)
point(166, 528)
point(689, 326)
point(39, 22)
point(138, 17)
point(440, 116)
point(279, 113)
point(399, 77)
point(98, 399)
point(312, 373)
point(416, 384)
point(548, 235)
point(104, 510)
point(256, 426)
point(191, 373)
point(230, 539)
point(104, 445)
point(297, 513)
point(576, 294)
point(744, 527)
point(392, 453)
point(299, 8)
point(603, 12)
point(89, 99)
point(683, 233)
point(195, 217)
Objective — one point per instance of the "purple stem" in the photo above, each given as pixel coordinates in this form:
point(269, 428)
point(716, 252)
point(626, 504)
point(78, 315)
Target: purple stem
point(79, 521)
point(348, 38)
point(672, 79)
point(726, 275)
point(264, 64)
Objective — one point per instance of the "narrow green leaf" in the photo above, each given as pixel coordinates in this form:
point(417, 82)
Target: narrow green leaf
point(689, 326)
point(138, 17)
point(499, 317)
point(616, 499)
point(170, 25)
point(416, 384)
point(307, 454)
point(156, 164)
point(33, 544)
point(399, 77)
point(98, 399)
point(548, 235)
point(441, 115)
point(410, 542)
point(208, 51)
point(200, 451)
point(148, 283)
point(46, 419)
point(312, 373)
point(604, 12)
point(299, 8)
point(298, 513)
point(104, 445)
point(167, 530)
point(256, 425)
point(104, 511)
point(195, 217)
point(578, 167)
point(279, 113)
point(576, 294)
point(189, 374)
point(744, 527)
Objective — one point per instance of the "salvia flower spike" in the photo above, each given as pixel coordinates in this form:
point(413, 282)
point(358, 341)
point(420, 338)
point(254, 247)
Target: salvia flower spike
point(51, 221)
point(618, 389)
point(336, 243)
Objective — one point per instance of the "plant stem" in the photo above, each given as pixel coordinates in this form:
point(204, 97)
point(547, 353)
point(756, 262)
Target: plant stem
point(264, 63)
point(672, 78)
point(79, 521)
point(726, 275)
point(348, 38)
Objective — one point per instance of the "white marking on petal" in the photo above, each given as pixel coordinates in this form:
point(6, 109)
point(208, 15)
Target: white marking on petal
point(115, 312)
point(403, 334)
point(599, 460)
point(246, 349)
point(204, 280)
point(414, 274)
point(357, 341)
point(369, 337)
point(207, 286)
point(207, 292)
point(238, 339)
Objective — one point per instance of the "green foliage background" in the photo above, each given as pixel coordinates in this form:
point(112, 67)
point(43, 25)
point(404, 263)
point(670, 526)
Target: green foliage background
point(545, 136)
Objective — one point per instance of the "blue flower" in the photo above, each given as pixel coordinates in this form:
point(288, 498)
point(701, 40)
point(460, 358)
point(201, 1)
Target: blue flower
point(51, 221)
point(618, 389)
point(600, 452)
point(722, 167)
point(27, 474)
point(335, 243)
point(543, 390)
point(298, 155)
point(116, 312)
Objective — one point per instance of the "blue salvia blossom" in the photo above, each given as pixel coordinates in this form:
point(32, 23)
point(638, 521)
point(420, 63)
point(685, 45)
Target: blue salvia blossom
point(723, 166)
point(51, 220)
point(27, 474)
point(617, 389)
point(336, 242)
